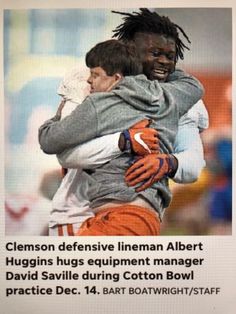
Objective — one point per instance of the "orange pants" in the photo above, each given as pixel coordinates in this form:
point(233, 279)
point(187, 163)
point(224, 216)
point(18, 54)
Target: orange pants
point(125, 220)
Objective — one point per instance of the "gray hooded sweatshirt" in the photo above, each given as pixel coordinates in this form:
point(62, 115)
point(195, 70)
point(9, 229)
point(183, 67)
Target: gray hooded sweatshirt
point(133, 99)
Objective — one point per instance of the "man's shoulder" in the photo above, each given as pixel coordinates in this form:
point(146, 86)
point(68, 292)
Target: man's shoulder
point(134, 79)
point(100, 101)
point(98, 96)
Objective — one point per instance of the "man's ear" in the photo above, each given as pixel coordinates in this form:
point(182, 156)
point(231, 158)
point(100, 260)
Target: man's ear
point(115, 80)
point(118, 77)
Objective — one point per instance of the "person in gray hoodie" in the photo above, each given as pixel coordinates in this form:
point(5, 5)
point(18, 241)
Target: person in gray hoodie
point(128, 98)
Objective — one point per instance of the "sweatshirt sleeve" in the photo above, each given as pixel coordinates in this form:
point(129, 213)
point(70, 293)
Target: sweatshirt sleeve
point(79, 127)
point(91, 154)
point(184, 89)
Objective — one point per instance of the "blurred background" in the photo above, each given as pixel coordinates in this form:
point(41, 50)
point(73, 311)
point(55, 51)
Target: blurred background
point(42, 46)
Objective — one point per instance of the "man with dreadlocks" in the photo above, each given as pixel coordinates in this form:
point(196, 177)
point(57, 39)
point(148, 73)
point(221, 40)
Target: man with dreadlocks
point(166, 47)
point(157, 42)
point(149, 32)
point(119, 98)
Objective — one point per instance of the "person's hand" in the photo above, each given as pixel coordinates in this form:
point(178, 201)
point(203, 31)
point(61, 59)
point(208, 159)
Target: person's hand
point(140, 139)
point(149, 169)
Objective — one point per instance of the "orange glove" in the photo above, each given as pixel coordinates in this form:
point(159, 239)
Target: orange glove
point(150, 169)
point(140, 139)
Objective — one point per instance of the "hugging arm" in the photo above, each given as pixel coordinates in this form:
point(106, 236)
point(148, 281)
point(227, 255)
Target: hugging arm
point(100, 150)
point(80, 126)
point(188, 154)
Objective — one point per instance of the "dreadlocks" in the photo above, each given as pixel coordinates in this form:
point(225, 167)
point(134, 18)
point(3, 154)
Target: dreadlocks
point(150, 22)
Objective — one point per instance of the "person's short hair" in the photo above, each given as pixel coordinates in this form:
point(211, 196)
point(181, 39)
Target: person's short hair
point(114, 56)
point(146, 21)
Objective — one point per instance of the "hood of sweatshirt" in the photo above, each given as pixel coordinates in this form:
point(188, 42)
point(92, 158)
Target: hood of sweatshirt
point(139, 92)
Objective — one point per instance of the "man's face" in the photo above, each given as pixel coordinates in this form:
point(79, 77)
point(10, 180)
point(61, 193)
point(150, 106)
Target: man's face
point(157, 53)
point(99, 81)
